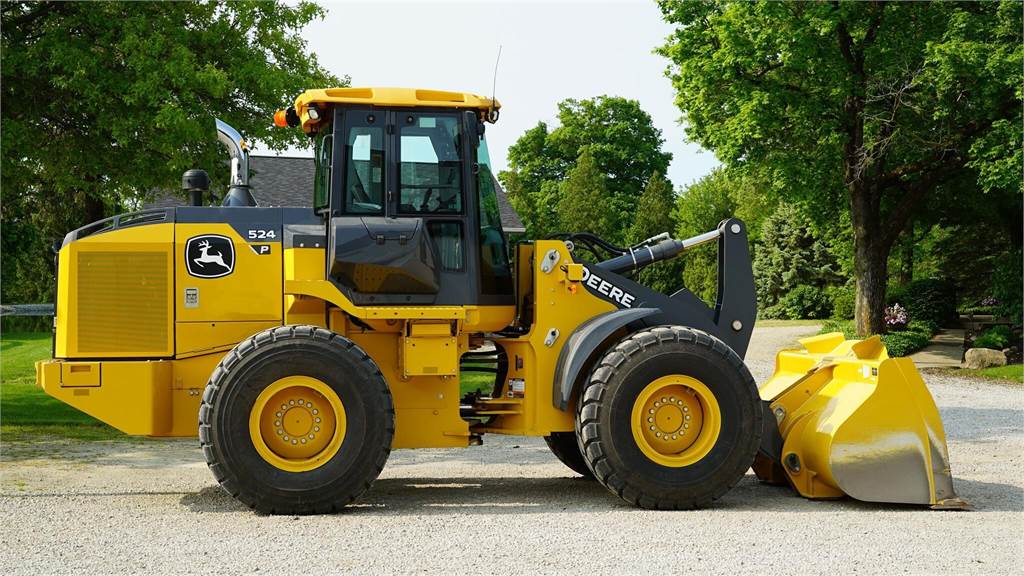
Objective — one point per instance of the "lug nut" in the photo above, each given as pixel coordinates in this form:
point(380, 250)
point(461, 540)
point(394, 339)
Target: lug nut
point(315, 412)
point(317, 420)
point(650, 419)
point(294, 442)
point(303, 440)
point(291, 402)
point(652, 427)
point(279, 431)
point(302, 402)
point(310, 436)
point(316, 428)
point(286, 438)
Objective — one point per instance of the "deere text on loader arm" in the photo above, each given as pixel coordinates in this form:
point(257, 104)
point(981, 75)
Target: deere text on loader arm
point(303, 345)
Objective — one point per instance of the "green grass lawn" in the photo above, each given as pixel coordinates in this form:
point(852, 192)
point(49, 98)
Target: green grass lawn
point(1011, 373)
point(25, 410)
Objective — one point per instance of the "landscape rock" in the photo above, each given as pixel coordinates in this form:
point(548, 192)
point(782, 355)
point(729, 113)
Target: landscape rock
point(978, 358)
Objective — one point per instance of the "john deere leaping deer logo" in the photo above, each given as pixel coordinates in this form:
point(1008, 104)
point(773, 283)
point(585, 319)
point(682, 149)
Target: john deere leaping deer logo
point(210, 256)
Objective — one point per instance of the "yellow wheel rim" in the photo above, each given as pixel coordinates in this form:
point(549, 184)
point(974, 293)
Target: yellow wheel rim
point(676, 420)
point(297, 423)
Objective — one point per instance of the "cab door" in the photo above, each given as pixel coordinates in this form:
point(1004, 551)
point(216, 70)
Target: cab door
point(431, 173)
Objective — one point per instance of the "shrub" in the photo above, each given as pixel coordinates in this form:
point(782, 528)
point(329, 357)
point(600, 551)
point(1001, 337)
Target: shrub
point(1008, 287)
point(905, 343)
point(806, 302)
point(847, 327)
point(844, 301)
point(996, 338)
point(915, 337)
point(930, 299)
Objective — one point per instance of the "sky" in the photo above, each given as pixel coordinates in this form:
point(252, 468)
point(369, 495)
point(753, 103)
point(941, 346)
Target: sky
point(549, 52)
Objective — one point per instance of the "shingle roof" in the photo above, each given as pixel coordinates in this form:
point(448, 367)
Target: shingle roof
point(285, 181)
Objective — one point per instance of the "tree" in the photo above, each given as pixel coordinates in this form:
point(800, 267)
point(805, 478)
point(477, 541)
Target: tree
point(789, 255)
point(654, 215)
point(622, 140)
point(858, 107)
point(584, 197)
point(700, 208)
point(104, 102)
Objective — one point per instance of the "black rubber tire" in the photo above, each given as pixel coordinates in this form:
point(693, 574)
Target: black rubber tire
point(566, 448)
point(604, 412)
point(261, 360)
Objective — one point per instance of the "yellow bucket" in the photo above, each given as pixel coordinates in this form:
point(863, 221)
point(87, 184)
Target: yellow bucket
point(854, 422)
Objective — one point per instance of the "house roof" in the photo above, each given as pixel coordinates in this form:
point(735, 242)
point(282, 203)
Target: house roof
point(287, 181)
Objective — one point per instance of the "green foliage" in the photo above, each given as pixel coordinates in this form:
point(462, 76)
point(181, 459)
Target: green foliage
point(584, 198)
point(847, 327)
point(996, 338)
point(903, 343)
point(1007, 286)
point(789, 255)
point(105, 101)
point(700, 208)
point(24, 403)
point(842, 298)
point(865, 113)
point(623, 143)
point(930, 300)
point(655, 213)
point(806, 302)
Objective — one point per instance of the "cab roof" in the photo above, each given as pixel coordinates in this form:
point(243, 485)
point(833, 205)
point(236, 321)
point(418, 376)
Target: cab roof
point(398, 97)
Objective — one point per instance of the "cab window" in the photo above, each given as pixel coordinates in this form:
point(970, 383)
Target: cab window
point(430, 172)
point(364, 165)
point(322, 177)
point(495, 272)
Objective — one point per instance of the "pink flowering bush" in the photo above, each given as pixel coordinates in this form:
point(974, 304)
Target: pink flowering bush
point(896, 317)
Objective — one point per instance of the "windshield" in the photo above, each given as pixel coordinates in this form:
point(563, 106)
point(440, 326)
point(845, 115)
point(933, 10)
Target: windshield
point(322, 179)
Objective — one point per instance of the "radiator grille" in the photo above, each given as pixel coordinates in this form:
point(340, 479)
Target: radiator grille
point(122, 302)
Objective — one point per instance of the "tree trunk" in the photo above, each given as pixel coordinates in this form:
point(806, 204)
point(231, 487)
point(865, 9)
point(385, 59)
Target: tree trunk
point(870, 258)
point(872, 273)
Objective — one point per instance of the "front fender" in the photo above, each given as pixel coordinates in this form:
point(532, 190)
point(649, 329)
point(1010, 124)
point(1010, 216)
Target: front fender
point(582, 344)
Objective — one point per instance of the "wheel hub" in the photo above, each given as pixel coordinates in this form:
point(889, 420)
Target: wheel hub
point(297, 423)
point(675, 420)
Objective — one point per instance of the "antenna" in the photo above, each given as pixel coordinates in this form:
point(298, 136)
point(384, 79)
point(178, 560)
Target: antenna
point(492, 114)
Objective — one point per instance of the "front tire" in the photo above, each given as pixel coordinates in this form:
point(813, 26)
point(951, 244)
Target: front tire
point(670, 419)
point(296, 420)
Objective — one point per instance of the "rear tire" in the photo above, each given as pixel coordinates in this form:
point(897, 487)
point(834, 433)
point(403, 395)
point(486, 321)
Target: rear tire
point(241, 425)
point(566, 448)
point(619, 414)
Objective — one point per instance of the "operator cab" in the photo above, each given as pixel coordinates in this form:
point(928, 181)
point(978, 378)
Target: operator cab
point(404, 182)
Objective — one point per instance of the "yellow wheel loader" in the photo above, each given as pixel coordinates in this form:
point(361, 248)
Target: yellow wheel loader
point(303, 345)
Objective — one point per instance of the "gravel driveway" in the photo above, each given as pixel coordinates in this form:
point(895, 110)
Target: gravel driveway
point(507, 507)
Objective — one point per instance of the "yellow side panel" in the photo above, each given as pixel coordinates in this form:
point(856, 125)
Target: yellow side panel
point(253, 291)
point(198, 337)
point(304, 264)
point(429, 356)
point(426, 407)
point(79, 374)
point(115, 294)
point(134, 396)
point(145, 398)
point(561, 304)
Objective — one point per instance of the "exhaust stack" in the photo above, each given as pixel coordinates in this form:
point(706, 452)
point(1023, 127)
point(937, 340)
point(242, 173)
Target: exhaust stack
point(238, 194)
